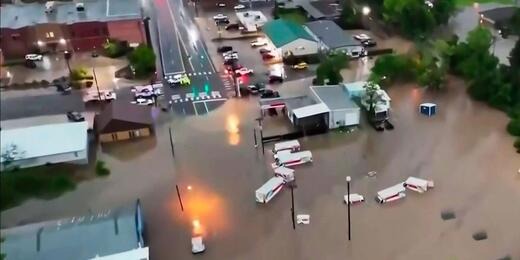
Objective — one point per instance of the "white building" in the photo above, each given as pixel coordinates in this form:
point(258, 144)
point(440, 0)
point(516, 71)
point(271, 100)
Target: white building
point(343, 111)
point(38, 143)
point(290, 38)
point(251, 20)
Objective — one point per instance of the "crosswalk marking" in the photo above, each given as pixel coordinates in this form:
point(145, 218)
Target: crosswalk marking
point(200, 73)
point(200, 97)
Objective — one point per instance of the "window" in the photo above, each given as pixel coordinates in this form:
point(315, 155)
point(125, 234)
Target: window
point(49, 35)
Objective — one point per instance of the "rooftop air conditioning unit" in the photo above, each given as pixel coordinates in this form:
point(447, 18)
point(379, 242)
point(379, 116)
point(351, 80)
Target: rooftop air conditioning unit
point(80, 7)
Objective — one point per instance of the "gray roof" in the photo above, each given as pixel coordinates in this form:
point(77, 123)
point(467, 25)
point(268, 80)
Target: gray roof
point(331, 34)
point(78, 238)
point(298, 102)
point(20, 15)
point(30, 106)
point(500, 14)
point(311, 10)
point(335, 97)
point(326, 8)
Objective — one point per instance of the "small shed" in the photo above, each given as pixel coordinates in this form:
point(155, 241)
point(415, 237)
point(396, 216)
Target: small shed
point(121, 121)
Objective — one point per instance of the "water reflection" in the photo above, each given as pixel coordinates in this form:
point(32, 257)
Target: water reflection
point(232, 123)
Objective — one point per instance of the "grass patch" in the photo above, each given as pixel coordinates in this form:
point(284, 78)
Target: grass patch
point(294, 15)
point(44, 182)
point(463, 3)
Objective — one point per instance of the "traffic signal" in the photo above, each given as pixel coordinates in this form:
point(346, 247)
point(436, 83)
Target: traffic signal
point(206, 88)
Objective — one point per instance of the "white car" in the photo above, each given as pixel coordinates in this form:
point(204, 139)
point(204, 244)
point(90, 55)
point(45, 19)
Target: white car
point(197, 245)
point(244, 71)
point(34, 57)
point(233, 56)
point(142, 102)
point(229, 53)
point(106, 95)
point(239, 7)
point(258, 43)
point(221, 5)
point(362, 37)
point(147, 93)
point(354, 198)
point(220, 17)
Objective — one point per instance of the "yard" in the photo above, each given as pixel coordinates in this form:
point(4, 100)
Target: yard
point(294, 15)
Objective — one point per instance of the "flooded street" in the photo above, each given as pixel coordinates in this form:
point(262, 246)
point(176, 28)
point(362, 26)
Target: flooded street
point(464, 149)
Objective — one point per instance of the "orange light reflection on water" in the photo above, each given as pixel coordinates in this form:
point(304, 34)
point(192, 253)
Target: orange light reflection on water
point(232, 124)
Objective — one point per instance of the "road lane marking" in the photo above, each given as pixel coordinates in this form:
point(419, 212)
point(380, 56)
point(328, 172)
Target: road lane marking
point(178, 35)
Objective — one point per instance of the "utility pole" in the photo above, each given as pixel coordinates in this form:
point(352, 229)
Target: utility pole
point(292, 185)
point(179, 196)
point(348, 205)
point(95, 55)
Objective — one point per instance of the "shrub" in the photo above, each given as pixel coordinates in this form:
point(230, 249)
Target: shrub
point(114, 48)
point(142, 59)
point(514, 127)
point(78, 74)
point(88, 84)
point(101, 169)
point(517, 143)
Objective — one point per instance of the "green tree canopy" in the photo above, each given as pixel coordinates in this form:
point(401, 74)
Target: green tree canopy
point(143, 60)
point(443, 10)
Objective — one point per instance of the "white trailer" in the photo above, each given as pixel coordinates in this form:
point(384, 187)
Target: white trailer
point(393, 193)
point(292, 159)
point(353, 198)
point(292, 145)
point(265, 193)
point(418, 185)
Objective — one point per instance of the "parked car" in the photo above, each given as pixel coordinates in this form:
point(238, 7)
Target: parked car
point(104, 95)
point(264, 50)
point(230, 62)
point(239, 7)
point(368, 43)
point(30, 64)
point(256, 88)
point(275, 78)
point(220, 17)
point(222, 22)
point(362, 37)
point(229, 53)
point(300, 66)
point(221, 5)
point(147, 93)
point(75, 116)
point(232, 26)
point(34, 57)
point(243, 71)
point(142, 102)
point(267, 56)
point(269, 93)
point(258, 42)
point(222, 49)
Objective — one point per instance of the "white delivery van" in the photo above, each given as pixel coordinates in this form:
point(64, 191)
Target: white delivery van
point(418, 185)
point(353, 198)
point(391, 194)
point(292, 159)
point(286, 173)
point(265, 193)
point(292, 145)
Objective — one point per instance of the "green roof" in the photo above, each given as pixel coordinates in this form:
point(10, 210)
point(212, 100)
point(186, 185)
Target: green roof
point(282, 32)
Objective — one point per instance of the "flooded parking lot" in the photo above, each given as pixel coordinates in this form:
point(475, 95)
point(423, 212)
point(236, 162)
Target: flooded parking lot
point(464, 149)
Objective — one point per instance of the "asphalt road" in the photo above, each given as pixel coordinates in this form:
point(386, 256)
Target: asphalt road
point(183, 50)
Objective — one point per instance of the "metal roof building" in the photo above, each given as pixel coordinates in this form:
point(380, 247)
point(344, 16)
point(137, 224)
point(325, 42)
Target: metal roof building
point(16, 16)
point(109, 235)
point(331, 35)
point(40, 143)
point(343, 111)
point(290, 37)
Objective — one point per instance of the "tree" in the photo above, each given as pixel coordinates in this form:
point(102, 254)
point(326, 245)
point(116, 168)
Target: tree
point(443, 10)
point(416, 20)
point(393, 67)
point(349, 17)
point(514, 23)
point(143, 60)
point(514, 56)
point(328, 72)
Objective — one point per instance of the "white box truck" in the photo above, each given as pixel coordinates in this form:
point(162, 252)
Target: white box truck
point(265, 193)
point(418, 185)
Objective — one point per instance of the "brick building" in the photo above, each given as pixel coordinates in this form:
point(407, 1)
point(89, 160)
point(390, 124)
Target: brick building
point(28, 28)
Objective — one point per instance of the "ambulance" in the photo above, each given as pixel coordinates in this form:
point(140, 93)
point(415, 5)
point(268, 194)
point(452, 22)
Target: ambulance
point(418, 185)
point(265, 193)
point(292, 159)
point(393, 193)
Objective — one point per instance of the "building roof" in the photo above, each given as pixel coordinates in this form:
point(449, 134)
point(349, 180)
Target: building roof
point(500, 14)
point(20, 15)
point(335, 97)
point(252, 21)
point(46, 139)
point(32, 105)
point(330, 34)
point(297, 102)
point(282, 32)
point(311, 110)
point(123, 117)
point(81, 238)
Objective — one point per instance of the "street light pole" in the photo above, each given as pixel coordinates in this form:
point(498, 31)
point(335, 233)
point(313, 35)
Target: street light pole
point(291, 185)
point(348, 205)
point(179, 196)
point(94, 56)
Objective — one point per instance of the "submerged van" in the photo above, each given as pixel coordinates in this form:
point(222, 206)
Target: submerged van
point(393, 193)
point(292, 145)
point(418, 185)
point(292, 159)
point(265, 193)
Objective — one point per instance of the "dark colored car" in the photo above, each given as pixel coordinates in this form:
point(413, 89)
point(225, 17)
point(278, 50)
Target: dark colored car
point(369, 43)
point(267, 56)
point(224, 49)
point(264, 50)
point(75, 116)
point(222, 22)
point(232, 26)
point(274, 79)
point(256, 88)
point(269, 93)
